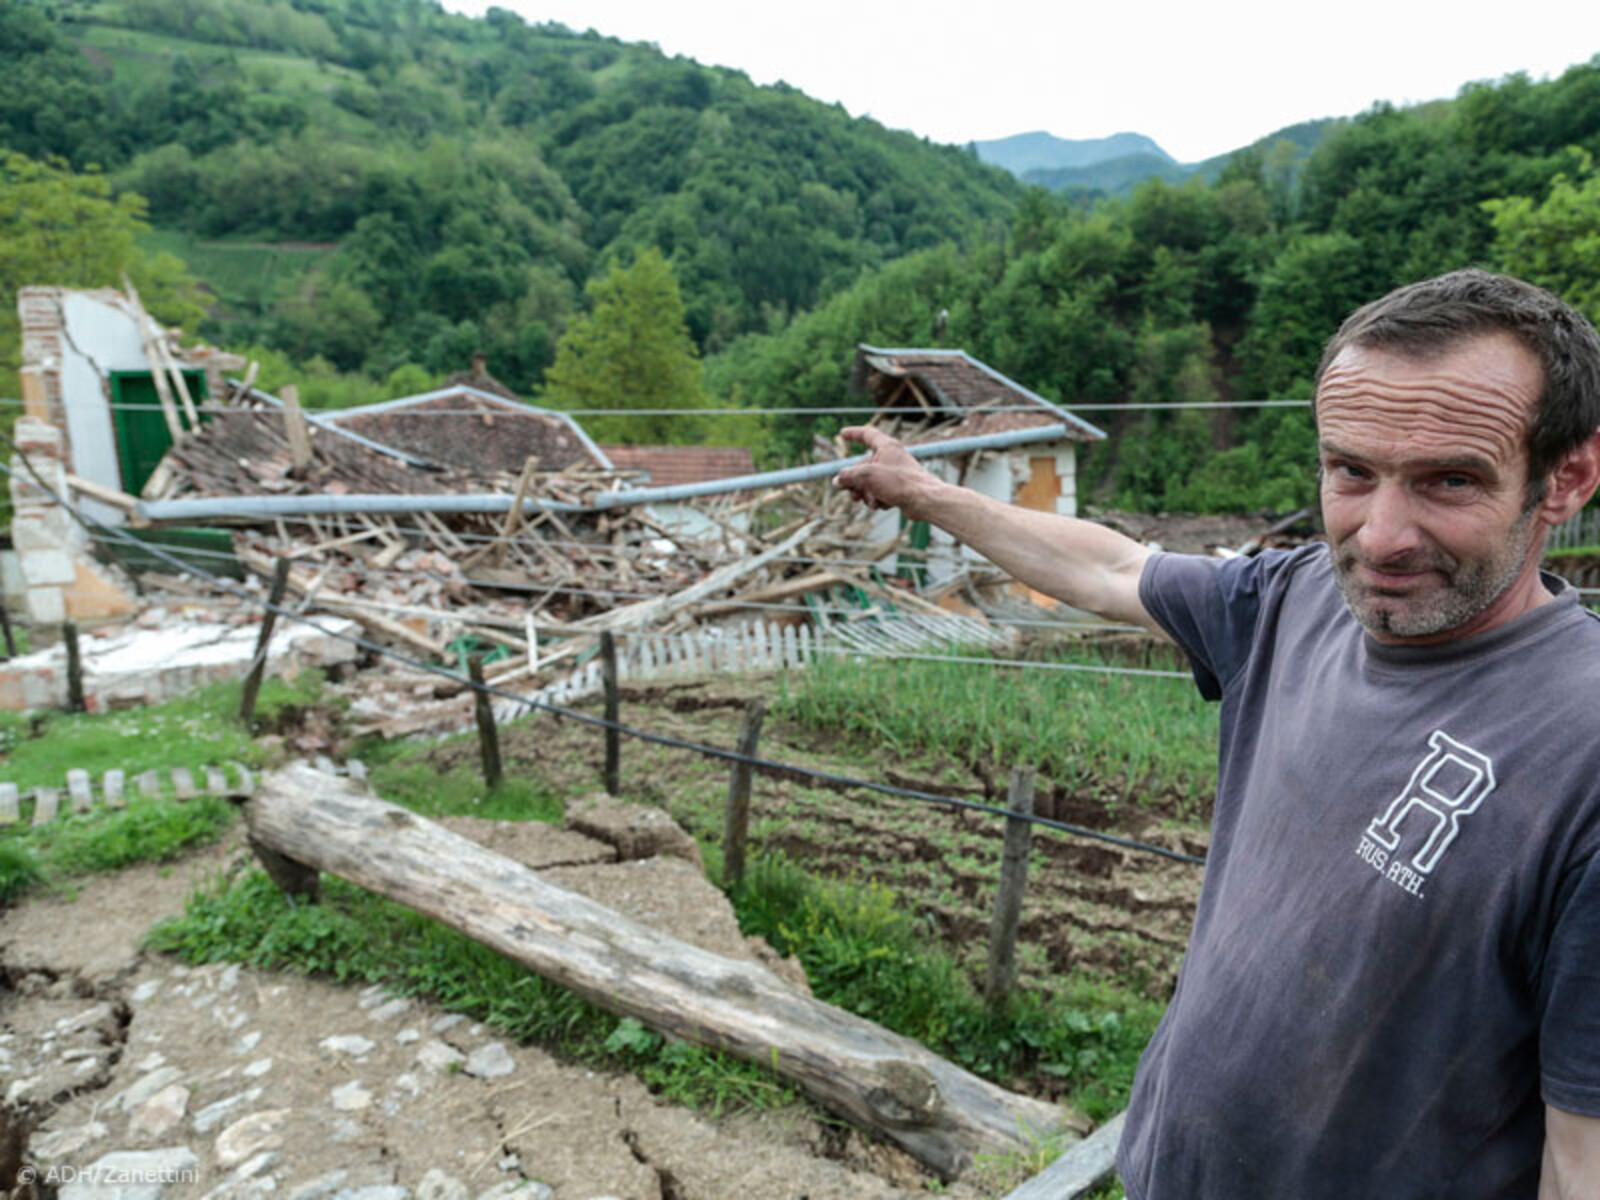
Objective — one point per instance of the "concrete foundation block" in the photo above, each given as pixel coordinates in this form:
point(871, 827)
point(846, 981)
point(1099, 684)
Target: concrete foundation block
point(12, 696)
point(41, 689)
point(47, 605)
point(33, 530)
point(34, 436)
point(79, 790)
point(52, 567)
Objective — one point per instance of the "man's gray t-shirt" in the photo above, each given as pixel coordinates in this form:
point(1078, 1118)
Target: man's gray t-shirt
point(1396, 955)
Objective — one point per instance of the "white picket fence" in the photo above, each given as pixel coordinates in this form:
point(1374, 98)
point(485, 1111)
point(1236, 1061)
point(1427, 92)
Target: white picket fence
point(762, 646)
point(1583, 529)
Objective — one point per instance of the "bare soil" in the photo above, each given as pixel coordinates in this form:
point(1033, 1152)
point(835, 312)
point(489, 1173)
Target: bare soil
point(107, 1048)
point(1090, 906)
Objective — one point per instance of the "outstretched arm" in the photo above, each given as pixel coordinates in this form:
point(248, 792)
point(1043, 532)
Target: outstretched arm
point(1571, 1157)
point(1086, 565)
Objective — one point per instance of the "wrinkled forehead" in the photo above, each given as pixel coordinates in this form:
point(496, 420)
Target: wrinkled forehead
point(1474, 398)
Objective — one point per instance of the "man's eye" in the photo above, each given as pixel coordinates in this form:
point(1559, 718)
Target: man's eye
point(1456, 483)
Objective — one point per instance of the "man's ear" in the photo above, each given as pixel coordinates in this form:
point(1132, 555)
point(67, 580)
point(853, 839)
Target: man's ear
point(1572, 482)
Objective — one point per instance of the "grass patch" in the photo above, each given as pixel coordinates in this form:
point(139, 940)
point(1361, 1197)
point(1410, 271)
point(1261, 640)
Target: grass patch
point(1116, 735)
point(194, 731)
point(248, 277)
point(106, 839)
point(406, 775)
point(863, 952)
point(353, 935)
point(19, 870)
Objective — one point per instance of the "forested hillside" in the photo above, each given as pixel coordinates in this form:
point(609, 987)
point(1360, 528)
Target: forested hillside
point(1227, 290)
point(449, 184)
point(373, 189)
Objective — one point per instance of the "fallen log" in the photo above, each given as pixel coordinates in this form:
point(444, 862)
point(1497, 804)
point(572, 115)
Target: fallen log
point(1084, 1167)
point(887, 1083)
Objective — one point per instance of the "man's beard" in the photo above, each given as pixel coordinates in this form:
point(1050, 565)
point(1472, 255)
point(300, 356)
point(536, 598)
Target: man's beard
point(1469, 586)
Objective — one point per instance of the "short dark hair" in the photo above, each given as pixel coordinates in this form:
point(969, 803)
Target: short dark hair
point(1439, 314)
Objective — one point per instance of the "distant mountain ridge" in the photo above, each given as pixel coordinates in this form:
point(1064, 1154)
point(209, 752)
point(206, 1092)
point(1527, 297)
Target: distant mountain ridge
point(1024, 153)
point(1115, 165)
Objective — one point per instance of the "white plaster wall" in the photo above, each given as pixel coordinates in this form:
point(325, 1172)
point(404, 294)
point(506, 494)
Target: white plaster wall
point(1067, 469)
point(995, 475)
point(99, 337)
point(992, 474)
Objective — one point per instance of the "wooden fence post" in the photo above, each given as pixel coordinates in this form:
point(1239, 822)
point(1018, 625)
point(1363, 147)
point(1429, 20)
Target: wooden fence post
point(1002, 974)
point(69, 635)
point(608, 679)
point(294, 425)
point(5, 628)
point(736, 814)
point(258, 666)
point(488, 735)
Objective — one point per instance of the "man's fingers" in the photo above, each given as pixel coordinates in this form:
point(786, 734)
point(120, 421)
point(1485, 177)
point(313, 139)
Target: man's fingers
point(866, 435)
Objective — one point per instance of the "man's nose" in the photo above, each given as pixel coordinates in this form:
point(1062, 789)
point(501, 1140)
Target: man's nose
point(1389, 526)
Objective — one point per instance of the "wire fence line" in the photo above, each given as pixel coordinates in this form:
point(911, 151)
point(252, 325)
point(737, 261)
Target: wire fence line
point(768, 767)
point(793, 411)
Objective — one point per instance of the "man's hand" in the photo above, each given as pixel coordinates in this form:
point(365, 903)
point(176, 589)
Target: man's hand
point(1571, 1168)
point(890, 478)
point(1087, 565)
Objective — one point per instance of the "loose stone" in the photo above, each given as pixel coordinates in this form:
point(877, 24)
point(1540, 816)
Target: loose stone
point(161, 1113)
point(437, 1185)
point(378, 1192)
point(321, 1186)
point(59, 1143)
point(490, 1062)
point(439, 1056)
point(211, 1115)
point(249, 1136)
point(146, 1086)
point(256, 1164)
point(519, 1189)
point(350, 1097)
point(352, 1044)
point(154, 1168)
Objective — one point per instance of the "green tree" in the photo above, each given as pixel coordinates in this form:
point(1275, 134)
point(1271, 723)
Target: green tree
point(1555, 244)
point(631, 350)
point(64, 229)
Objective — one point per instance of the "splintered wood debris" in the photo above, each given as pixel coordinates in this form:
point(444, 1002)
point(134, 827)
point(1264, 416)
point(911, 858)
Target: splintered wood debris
point(533, 587)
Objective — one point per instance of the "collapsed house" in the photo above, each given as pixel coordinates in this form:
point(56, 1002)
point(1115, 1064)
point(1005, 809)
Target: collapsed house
point(464, 521)
point(926, 397)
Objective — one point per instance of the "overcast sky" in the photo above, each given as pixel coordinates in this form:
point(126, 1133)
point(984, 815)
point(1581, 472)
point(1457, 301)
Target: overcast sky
point(1200, 78)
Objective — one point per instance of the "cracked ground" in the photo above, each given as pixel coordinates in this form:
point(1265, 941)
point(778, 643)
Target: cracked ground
point(255, 1083)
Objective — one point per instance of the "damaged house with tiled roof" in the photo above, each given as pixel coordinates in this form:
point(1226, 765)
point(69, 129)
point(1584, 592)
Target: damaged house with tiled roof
point(926, 396)
point(466, 521)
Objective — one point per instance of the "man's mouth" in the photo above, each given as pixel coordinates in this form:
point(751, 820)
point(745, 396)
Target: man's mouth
point(1390, 577)
point(1394, 577)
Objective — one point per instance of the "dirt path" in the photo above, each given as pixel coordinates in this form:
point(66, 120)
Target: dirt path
point(226, 1082)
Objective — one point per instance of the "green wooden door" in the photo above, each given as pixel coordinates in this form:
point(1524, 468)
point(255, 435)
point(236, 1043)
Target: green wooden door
point(141, 428)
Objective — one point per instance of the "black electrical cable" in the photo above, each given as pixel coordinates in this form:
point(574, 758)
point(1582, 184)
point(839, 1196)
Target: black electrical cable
point(766, 766)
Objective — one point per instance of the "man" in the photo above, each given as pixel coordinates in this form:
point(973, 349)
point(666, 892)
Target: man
point(1393, 984)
